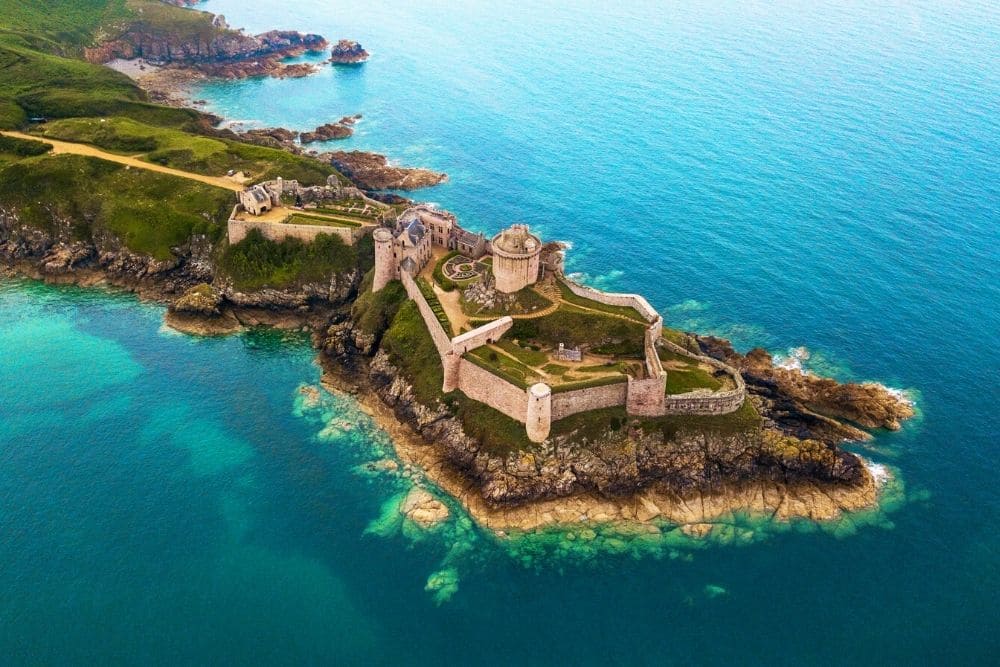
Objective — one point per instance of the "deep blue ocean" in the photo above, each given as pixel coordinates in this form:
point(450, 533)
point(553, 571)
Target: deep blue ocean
point(788, 173)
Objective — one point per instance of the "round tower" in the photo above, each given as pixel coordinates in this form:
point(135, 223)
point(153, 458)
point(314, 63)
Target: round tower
point(385, 261)
point(538, 420)
point(516, 254)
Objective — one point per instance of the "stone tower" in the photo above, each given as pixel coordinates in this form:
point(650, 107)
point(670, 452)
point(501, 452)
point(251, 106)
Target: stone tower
point(386, 268)
point(515, 258)
point(538, 420)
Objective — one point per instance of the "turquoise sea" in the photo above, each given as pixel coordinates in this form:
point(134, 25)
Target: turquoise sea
point(788, 173)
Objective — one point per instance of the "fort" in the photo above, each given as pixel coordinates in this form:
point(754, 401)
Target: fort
point(512, 331)
point(541, 381)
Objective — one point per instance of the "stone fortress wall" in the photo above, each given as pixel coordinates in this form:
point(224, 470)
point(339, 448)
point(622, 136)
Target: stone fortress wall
point(636, 301)
point(442, 341)
point(279, 231)
point(566, 403)
point(537, 406)
point(700, 403)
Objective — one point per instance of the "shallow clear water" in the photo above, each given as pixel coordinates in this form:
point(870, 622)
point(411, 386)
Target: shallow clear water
point(789, 173)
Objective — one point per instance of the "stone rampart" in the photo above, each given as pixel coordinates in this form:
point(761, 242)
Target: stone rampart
point(441, 340)
point(279, 231)
point(481, 385)
point(700, 402)
point(612, 299)
point(568, 403)
point(488, 333)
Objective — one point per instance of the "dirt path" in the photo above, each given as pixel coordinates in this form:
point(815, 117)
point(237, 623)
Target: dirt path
point(66, 147)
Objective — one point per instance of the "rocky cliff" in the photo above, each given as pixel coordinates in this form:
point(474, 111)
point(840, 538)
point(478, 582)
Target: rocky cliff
point(204, 42)
point(202, 300)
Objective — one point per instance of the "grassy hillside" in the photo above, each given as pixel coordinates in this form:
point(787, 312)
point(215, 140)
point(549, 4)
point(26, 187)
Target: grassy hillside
point(149, 212)
point(42, 75)
point(33, 83)
point(183, 150)
point(61, 25)
point(67, 26)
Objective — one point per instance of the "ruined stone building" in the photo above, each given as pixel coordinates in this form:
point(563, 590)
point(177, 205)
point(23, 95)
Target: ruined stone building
point(259, 199)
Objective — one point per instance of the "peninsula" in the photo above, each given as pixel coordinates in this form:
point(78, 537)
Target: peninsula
point(533, 399)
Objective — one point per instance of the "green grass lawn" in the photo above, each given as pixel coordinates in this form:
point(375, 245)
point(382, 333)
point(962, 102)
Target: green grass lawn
point(574, 326)
point(303, 219)
point(683, 381)
point(524, 354)
point(350, 210)
point(624, 311)
point(148, 211)
point(503, 366)
point(526, 301)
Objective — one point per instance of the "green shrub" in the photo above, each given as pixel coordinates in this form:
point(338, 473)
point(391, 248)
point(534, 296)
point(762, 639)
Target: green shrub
point(23, 147)
point(257, 262)
point(411, 348)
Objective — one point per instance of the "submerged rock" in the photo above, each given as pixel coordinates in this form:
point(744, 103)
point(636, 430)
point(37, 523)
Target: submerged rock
point(423, 509)
point(443, 584)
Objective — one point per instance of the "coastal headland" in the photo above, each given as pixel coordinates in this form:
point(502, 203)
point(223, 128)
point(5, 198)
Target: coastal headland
point(593, 410)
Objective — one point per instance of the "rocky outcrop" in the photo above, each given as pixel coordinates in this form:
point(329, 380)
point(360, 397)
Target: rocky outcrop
point(209, 46)
point(348, 52)
point(423, 509)
point(620, 462)
point(200, 300)
point(371, 171)
point(327, 132)
point(804, 403)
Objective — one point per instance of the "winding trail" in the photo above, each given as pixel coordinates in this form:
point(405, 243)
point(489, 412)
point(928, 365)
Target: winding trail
point(67, 147)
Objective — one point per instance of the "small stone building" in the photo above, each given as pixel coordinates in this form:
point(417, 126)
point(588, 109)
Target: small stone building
point(259, 199)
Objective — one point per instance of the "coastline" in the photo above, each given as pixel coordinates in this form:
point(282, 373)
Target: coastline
point(695, 513)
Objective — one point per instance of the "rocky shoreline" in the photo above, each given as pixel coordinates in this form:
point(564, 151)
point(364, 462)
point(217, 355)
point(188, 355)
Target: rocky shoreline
point(696, 511)
point(371, 171)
